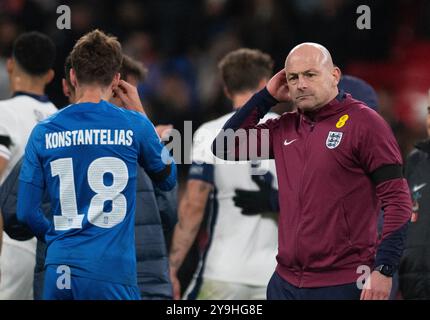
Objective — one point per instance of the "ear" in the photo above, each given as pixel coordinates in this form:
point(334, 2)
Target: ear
point(336, 75)
point(73, 79)
point(10, 65)
point(65, 87)
point(227, 93)
point(49, 76)
point(115, 81)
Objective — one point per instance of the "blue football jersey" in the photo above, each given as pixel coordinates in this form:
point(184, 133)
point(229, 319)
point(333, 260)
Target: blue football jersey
point(86, 156)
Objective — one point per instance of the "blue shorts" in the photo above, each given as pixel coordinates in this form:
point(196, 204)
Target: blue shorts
point(279, 289)
point(61, 285)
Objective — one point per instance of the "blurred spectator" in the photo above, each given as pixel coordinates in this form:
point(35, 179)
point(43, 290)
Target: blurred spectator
point(360, 90)
point(8, 33)
point(30, 70)
point(415, 263)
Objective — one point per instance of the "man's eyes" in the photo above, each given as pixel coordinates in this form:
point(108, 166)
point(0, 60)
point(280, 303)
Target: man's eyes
point(307, 75)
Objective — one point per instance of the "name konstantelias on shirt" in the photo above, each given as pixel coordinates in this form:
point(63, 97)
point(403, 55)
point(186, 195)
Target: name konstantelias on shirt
point(88, 137)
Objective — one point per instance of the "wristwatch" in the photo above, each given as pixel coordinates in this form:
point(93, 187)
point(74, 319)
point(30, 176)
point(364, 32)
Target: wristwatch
point(385, 269)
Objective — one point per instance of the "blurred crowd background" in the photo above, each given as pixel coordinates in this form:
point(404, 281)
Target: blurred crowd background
point(181, 42)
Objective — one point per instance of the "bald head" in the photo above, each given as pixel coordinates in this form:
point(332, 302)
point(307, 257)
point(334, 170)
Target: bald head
point(312, 77)
point(313, 52)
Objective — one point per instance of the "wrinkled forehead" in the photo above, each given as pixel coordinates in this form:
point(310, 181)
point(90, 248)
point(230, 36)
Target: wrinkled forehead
point(299, 64)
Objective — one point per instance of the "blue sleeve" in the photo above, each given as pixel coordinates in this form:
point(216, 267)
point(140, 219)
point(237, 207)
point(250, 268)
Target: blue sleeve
point(31, 170)
point(391, 248)
point(31, 188)
point(154, 156)
point(29, 211)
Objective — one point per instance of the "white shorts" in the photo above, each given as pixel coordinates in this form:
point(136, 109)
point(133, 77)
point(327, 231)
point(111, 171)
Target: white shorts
point(220, 290)
point(17, 271)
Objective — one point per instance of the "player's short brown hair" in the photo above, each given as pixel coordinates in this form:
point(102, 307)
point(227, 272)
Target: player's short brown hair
point(96, 58)
point(243, 69)
point(132, 67)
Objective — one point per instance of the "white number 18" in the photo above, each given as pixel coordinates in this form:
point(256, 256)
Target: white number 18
point(70, 218)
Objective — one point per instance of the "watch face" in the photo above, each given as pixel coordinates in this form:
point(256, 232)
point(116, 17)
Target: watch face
point(387, 270)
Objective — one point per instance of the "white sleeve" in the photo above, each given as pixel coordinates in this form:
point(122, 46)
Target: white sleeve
point(5, 140)
point(202, 142)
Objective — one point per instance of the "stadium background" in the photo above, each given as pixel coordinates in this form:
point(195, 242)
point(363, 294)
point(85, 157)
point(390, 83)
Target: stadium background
point(181, 41)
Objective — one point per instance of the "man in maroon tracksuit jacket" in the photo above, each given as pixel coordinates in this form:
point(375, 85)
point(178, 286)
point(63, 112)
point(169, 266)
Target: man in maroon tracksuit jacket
point(338, 163)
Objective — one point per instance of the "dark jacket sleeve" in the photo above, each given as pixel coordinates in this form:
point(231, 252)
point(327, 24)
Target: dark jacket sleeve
point(396, 203)
point(242, 138)
point(8, 201)
point(167, 203)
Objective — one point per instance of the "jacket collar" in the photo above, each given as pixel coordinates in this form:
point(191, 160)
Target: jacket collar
point(424, 146)
point(333, 107)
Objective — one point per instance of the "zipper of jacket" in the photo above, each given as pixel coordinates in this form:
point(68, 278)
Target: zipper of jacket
point(302, 269)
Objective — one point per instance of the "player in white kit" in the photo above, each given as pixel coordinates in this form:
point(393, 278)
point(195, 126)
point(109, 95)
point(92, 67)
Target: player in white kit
point(240, 249)
point(30, 70)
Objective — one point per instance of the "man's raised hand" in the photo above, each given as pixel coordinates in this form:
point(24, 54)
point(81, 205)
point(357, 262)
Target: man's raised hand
point(278, 88)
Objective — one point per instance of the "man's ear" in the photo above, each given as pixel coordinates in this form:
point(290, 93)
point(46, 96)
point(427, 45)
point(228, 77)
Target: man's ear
point(49, 76)
point(227, 93)
point(10, 65)
point(336, 75)
point(115, 81)
point(65, 87)
point(73, 79)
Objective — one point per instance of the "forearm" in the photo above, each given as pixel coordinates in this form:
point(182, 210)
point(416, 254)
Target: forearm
point(250, 114)
point(190, 219)
point(3, 165)
point(191, 213)
point(246, 118)
point(397, 206)
point(1, 231)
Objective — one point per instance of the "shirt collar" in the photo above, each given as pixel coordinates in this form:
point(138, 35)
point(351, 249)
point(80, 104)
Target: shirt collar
point(40, 98)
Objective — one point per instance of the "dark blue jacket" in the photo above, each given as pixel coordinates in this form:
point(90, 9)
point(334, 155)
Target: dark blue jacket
point(415, 263)
point(156, 216)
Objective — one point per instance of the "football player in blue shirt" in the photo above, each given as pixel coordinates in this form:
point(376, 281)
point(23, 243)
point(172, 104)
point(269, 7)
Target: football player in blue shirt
point(86, 157)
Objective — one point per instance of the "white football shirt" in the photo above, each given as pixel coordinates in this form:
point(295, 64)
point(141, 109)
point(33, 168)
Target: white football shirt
point(18, 116)
point(242, 248)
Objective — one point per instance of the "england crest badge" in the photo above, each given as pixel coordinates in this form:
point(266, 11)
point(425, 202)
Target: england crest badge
point(333, 139)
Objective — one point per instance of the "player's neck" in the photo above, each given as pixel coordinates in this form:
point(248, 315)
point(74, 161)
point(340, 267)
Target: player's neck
point(239, 99)
point(32, 85)
point(92, 94)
